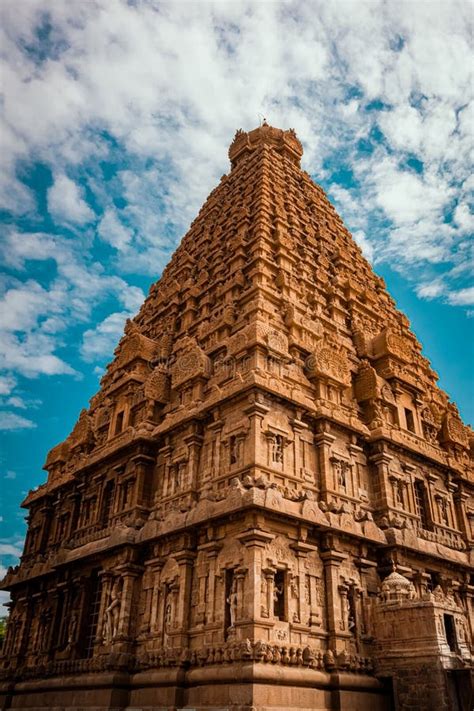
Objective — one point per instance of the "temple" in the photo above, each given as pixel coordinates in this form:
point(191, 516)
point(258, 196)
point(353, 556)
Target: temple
point(268, 504)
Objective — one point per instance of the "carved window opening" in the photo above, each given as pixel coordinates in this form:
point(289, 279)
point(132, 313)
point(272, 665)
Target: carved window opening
point(450, 632)
point(279, 595)
point(277, 449)
point(119, 422)
point(92, 610)
point(409, 419)
point(422, 505)
point(107, 501)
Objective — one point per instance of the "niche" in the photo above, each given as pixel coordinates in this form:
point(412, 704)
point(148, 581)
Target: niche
point(279, 595)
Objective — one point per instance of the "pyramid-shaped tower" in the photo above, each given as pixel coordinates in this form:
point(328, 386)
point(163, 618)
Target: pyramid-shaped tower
point(268, 504)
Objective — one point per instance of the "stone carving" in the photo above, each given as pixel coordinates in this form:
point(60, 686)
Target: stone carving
point(112, 612)
point(233, 601)
point(328, 360)
point(453, 430)
point(191, 362)
point(157, 385)
point(396, 588)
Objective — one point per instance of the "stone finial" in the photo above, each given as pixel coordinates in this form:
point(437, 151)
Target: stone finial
point(284, 142)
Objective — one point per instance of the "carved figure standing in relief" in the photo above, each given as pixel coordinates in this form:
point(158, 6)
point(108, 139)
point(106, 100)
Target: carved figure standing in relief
point(112, 613)
point(232, 601)
point(71, 636)
point(167, 624)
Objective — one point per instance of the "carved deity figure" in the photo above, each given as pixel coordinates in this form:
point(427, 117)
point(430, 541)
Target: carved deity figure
point(72, 629)
point(295, 596)
point(167, 623)
point(277, 449)
point(232, 601)
point(112, 612)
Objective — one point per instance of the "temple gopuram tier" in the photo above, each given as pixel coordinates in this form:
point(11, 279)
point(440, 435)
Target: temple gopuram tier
point(268, 504)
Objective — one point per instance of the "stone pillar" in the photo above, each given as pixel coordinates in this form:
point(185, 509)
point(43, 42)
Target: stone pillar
point(211, 549)
point(256, 411)
point(155, 565)
point(411, 504)
point(159, 624)
point(381, 461)
point(194, 442)
point(185, 560)
point(332, 559)
point(164, 454)
point(315, 586)
point(299, 430)
point(255, 540)
point(266, 592)
point(460, 497)
point(215, 446)
point(239, 576)
point(324, 441)
point(431, 479)
point(144, 473)
point(129, 574)
point(203, 580)
point(366, 567)
point(302, 549)
point(107, 582)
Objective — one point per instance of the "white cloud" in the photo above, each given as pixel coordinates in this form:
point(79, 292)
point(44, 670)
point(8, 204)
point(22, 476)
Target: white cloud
point(431, 290)
point(11, 549)
point(464, 218)
point(32, 354)
point(364, 243)
point(463, 297)
point(99, 342)
point(405, 196)
point(33, 318)
point(7, 383)
point(12, 421)
point(17, 402)
point(10, 475)
point(112, 231)
point(65, 202)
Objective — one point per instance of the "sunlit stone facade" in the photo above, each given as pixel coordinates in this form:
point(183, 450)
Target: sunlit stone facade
point(268, 504)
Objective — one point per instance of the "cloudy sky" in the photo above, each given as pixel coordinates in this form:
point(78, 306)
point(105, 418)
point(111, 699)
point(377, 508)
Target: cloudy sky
point(116, 121)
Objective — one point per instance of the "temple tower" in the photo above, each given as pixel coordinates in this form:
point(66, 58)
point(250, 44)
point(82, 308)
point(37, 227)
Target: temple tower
point(268, 504)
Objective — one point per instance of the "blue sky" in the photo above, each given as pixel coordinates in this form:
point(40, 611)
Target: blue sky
point(116, 119)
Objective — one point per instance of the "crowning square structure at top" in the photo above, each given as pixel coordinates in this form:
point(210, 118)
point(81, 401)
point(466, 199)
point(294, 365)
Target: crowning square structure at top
point(268, 504)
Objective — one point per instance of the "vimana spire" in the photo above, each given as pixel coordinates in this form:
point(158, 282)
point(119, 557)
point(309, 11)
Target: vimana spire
point(268, 504)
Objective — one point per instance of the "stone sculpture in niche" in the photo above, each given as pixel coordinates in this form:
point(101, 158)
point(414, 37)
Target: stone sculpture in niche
point(233, 601)
point(112, 612)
